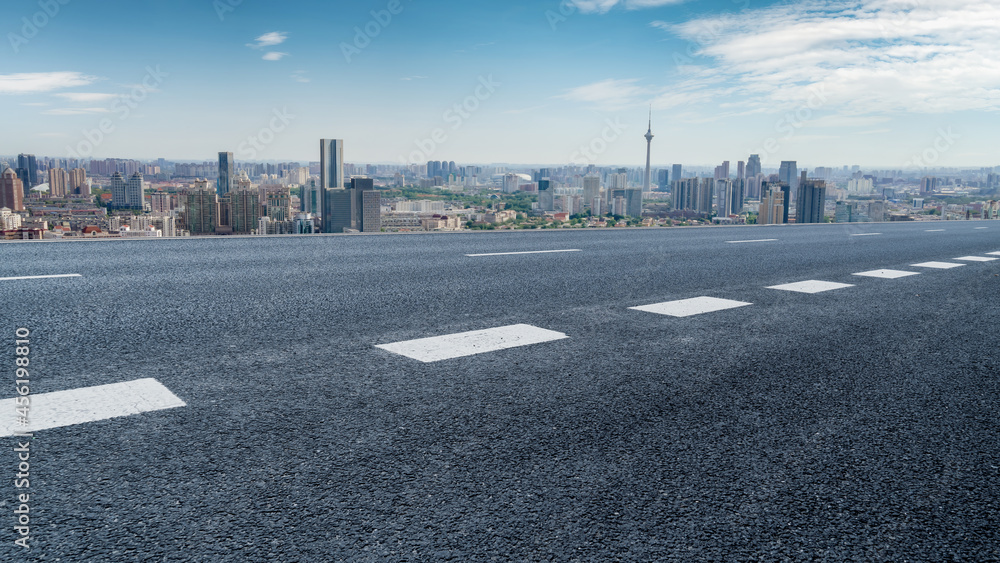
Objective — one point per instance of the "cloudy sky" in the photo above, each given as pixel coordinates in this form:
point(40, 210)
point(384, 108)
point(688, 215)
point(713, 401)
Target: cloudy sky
point(888, 83)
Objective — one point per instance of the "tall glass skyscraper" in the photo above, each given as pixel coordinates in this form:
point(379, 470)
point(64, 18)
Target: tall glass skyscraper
point(331, 161)
point(226, 174)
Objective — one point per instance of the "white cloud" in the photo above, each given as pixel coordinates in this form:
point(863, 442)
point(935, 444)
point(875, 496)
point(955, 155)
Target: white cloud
point(33, 82)
point(858, 57)
point(274, 56)
point(74, 111)
point(269, 39)
point(300, 76)
point(417, 77)
point(86, 97)
point(610, 94)
point(603, 6)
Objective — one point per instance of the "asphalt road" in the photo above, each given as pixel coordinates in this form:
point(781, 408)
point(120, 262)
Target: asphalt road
point(854, 424)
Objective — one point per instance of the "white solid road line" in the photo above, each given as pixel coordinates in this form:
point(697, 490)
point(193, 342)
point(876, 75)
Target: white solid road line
point(811, 286)
point(531, 252)
point(743, 241)
point(938, 265)
point(935, 231)
point(977, 259)
point(887, 274)
point(42, 277)
point(993, 253)
point(88, 404)
point(437, 348)
point(866, 234)
point(690, 307)
point(981, 228)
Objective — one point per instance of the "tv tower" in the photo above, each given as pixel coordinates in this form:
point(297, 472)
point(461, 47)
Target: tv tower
point(649, 144)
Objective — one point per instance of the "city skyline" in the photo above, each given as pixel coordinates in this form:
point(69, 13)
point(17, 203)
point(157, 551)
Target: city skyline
point(825, 82)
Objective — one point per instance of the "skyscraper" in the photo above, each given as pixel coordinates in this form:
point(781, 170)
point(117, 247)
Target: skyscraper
point(705, 193)
point(789, 174)
point(786, 190)
point(811, 200)
point(78, 182)
point(244, 210)
point(224, 185)
point(753, 166)
point(591, 190)
point(649, 145)
point(677, 172)
point(310, 198)
point(358, 208)
point(11, 191)
point(28, 163)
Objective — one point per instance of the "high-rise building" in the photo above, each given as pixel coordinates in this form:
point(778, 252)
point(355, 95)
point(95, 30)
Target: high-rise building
point(685, 194)
point(676, 172)
point(649, 146)
point(786, 198)
point(244, 210)
point(224, 185)
point(789, 174)
point(724, 201)
point(811, 200)
point(546, 195)
point(310, 198)
point(706, 191)
point(11, 191)
point(276, 202)
point(201, 209)
point(591, 190)
point(358, 208)
point(741, 170)
point(331, 172)
point(9, 220)
point(28, 163)
point(753, 166)
point(78, 183)
point(58, 180)
point(772, 207)
point(662, 180)
point(127, 194)
point(511, 183)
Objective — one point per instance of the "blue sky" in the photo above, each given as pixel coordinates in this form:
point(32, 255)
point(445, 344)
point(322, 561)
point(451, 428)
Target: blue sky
point(888, 83)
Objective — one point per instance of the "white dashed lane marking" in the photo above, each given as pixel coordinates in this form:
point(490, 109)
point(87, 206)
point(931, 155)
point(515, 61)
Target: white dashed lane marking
point(887, 274)
point(437, 348)
point(866, 234)
point(811, 286)
point(938, 265)
point(42, 277)
point(936, 231)
point(747, 241)
point(690, 307)
point(88, 404)
point(531, 252)
point(977, 259)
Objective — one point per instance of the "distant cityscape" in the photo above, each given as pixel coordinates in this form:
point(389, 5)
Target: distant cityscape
point(68, 198)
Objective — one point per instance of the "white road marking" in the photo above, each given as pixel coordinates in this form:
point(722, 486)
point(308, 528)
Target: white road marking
point(938, 265)
point(531, 252)
point(42, 277)
point(866, 234)
point(744, 241)
point(887, 274)
point(993, 253)
point(935, 231)
point(811, 286)
point(977, 259)
point(437, 348)
point(981, 228)
point(88, 404)
point(690, 307)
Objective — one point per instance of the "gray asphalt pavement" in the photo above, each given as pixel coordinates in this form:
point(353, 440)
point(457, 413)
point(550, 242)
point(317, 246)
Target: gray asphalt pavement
point(855, 424)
